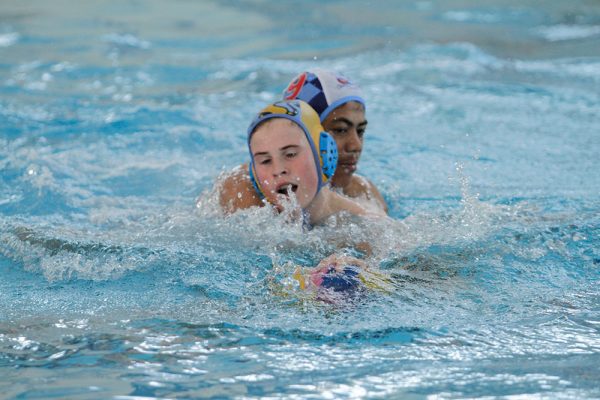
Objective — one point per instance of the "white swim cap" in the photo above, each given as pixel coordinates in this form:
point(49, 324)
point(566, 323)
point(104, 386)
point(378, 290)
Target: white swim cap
point(323, 90)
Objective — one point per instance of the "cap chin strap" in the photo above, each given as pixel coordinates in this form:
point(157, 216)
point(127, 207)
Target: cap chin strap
point(254, 181)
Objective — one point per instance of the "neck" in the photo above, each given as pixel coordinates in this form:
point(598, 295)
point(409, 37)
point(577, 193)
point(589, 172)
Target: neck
point(341, 181)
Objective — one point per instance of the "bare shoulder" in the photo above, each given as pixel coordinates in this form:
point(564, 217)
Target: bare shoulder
point(236, 190)
point(361, 187)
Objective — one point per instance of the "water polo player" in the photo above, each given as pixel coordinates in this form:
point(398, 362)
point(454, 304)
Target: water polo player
point(341, 109)
point(290, 155)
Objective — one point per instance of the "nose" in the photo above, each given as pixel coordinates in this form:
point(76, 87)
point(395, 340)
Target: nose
point(354, 142)
point(279, 168)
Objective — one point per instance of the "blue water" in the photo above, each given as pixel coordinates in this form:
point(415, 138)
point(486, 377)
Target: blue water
point(115, 117)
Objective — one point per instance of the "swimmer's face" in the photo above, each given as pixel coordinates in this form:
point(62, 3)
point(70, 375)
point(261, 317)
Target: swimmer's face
point(347, 125)
point(284, 162)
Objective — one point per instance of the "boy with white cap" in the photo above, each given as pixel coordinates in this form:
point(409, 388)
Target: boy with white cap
point(341, 109)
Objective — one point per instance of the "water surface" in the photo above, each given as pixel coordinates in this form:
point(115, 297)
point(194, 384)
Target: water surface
point(483, 138)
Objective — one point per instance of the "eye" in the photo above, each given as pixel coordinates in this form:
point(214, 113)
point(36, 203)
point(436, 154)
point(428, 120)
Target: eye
point(361, 132)
point(291, 154)
point(264, 161)
point(339, 131)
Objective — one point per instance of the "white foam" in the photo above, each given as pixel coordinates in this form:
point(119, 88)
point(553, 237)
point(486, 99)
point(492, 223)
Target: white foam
point(127, 40)
point(9, 39)
point(561, 32)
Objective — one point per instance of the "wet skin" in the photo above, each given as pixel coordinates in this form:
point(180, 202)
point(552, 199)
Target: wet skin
point(347, 125)
point(284, 162)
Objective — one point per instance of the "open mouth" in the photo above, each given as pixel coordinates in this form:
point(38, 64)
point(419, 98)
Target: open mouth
point(287, 188)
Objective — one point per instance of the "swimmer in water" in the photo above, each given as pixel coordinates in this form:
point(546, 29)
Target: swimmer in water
point(341, 109)
point(291, 157)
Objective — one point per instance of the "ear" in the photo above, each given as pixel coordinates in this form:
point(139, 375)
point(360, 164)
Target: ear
point(329, 154)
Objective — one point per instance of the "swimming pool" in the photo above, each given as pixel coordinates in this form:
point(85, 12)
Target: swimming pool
point(483, 138)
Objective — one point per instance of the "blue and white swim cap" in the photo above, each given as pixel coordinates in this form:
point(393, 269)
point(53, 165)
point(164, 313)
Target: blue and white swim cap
point(323, 90)
point(323, 146)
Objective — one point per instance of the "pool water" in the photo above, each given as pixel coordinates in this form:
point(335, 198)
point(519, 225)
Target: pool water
point(116, 117)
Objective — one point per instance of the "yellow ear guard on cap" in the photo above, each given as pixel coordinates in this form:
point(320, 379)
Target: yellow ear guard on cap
point(322, 144)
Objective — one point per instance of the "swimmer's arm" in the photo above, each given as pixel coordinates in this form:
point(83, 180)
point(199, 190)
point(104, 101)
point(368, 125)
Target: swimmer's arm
point(337, 203)
point(236, 191)
point(343, 203)
point(330, 203)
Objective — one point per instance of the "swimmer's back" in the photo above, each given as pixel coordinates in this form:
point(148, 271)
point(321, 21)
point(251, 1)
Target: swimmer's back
point(236, 191)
